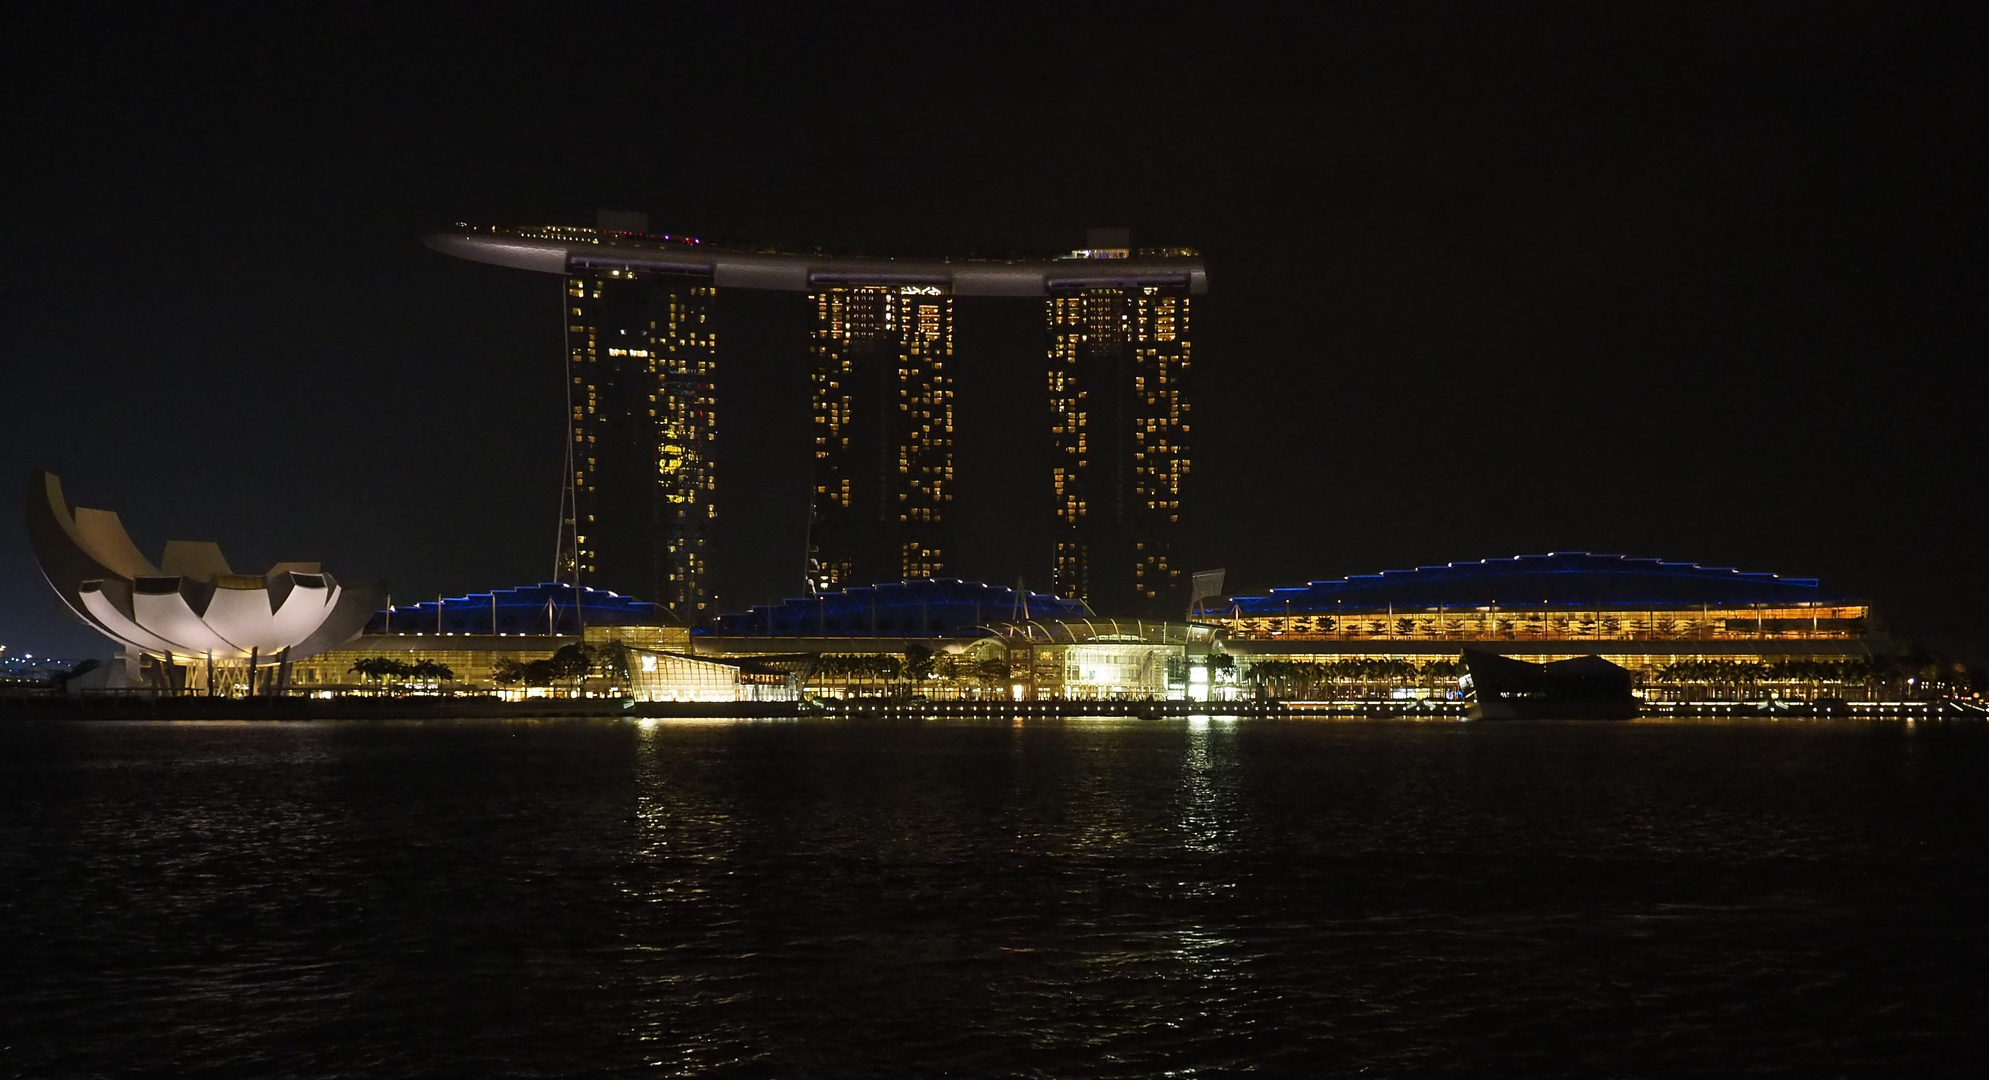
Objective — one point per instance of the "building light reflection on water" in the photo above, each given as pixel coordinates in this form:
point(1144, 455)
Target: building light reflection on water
point(1208, 811)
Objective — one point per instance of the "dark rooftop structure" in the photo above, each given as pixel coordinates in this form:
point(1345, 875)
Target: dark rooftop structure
point(561, 249)
point(1565, 579)
point(926, 607)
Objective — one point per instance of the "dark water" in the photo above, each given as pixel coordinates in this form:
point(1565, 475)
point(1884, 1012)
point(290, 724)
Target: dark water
point(1078, 898)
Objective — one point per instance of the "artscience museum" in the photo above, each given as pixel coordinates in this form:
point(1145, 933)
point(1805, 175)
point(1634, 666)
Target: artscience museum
point(189, 622)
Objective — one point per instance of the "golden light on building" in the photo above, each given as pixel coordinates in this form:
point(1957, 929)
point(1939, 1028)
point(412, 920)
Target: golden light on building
point(1684, 631)
point(1119, 364)
point(881, 400)
point(641, 364)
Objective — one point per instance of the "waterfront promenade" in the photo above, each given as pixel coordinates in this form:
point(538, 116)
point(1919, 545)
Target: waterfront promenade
point(413, 707)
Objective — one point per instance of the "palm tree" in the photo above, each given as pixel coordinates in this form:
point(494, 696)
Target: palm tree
point(993, 671)
point(918, 664)
point(381, 669)
point(431, 669)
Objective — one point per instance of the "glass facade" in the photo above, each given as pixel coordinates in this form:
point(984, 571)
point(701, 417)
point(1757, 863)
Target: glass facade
point(1119, 360)
point(881, 392)
point(1821, 621)
point(1044, 657)
point(474, 656)
point(1078, 659)
point(641, 352)
point(1685, 631)
point(472, 662)
point(669, 676)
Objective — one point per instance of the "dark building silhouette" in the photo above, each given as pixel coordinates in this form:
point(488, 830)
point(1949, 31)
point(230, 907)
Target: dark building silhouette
point(641, 358)
point(1119, 360)
point(882, 401)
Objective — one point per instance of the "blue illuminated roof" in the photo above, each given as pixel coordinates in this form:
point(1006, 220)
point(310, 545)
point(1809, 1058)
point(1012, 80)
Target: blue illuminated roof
point(546, 608)
point(926, 607)
point(1564, 579)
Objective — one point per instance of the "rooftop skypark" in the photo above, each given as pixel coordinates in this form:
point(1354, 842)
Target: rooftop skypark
point(562, 249)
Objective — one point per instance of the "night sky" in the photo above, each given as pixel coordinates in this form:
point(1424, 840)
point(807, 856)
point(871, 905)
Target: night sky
point(1698, 283)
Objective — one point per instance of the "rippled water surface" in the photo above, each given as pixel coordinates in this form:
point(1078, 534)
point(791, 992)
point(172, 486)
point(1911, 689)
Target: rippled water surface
point(1053, 898)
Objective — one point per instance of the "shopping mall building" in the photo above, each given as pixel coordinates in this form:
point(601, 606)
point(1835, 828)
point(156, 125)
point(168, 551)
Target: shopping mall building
point(941, 639)
point(1686, 632)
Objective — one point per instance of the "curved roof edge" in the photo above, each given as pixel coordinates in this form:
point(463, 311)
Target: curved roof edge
point(555, 607)
point(1081, 629)
point(1556, 579)
point(778, 271)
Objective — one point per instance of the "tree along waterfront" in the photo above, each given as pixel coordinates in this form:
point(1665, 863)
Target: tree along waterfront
point(1914, 675)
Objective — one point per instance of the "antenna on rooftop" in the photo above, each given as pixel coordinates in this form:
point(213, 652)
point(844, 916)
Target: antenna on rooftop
point(566, 548)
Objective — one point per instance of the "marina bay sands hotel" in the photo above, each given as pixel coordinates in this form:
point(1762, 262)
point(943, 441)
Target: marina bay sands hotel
point(642, 352)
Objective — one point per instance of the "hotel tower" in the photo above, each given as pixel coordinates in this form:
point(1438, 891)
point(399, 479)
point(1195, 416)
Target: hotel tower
point(640, 355)
point(640, 350)
point(1119, 358)
point(882, 402)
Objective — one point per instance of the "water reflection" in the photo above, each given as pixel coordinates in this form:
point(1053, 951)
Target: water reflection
point(1208, 808)
point(685, 990)
point(1083, 897)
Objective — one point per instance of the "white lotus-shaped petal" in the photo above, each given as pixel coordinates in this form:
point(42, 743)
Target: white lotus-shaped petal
point(119, 625)
point(169, 616)
point(191, 603)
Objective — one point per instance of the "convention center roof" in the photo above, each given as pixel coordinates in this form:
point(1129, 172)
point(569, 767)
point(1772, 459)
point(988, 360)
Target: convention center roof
point(1564, 579)
point(924, 607)
point(558, 249)
point(546, 608)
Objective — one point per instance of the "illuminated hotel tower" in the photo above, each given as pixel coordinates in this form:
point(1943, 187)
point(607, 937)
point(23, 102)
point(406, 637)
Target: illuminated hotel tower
point(640, 348)
point(640, 351)
point(882, 400)
point(1119, 361)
